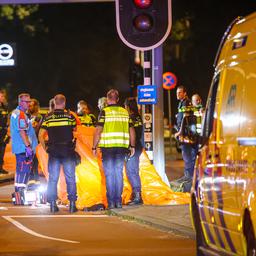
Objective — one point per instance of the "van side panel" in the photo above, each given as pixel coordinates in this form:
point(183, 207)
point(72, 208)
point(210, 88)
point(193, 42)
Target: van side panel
point(226, 164)
point(246, 172)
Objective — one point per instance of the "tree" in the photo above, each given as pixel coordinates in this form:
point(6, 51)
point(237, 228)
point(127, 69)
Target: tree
point(22, 16)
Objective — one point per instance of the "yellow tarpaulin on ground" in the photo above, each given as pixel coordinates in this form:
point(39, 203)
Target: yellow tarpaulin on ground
point(91, 187)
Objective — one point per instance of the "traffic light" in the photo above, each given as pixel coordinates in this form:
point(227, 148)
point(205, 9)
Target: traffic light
point(143, 24)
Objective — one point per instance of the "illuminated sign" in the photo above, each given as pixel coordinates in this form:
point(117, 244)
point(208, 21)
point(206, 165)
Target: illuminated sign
point(7, 55)
point(147, 94)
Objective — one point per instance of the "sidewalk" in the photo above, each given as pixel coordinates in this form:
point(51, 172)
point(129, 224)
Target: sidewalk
point(9, 176)
point(170, 218)
point(174, 218)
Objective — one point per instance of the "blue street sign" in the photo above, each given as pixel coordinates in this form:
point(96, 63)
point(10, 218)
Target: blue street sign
point(147, 94)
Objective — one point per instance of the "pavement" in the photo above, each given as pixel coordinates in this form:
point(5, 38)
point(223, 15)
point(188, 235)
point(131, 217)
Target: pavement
point(9, 176)
point(169, 218)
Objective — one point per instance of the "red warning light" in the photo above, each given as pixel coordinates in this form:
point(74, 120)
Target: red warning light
point(143, 3)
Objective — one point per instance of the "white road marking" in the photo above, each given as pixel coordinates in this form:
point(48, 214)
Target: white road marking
point(31, 232)
point(33, 207)
point(57, 216)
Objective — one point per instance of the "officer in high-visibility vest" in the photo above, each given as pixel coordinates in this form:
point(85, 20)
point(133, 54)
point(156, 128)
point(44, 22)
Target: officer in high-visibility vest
point(198, 111)
point(36, 119)
point(186, 134)
point(83, 112)
point(115, 136)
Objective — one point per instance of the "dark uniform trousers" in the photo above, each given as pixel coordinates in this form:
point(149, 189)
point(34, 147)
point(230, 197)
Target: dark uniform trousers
point(3, 132)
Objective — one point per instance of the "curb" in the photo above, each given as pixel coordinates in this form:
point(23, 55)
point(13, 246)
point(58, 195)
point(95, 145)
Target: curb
point(4, 177)
point(175, 229)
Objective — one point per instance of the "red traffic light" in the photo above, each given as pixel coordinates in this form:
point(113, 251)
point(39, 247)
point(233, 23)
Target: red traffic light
point(143, 22)
point(143, 3)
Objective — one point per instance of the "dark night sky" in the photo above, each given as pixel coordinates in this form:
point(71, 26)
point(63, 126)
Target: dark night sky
point(83, 57)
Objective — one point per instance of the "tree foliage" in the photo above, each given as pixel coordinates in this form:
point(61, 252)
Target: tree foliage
point(22, 16)
point(181, 29)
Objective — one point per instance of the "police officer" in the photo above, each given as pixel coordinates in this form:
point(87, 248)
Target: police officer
point(36, 119)
point(83, 112)
point(186, 123)
point(132, 163)
point(24, 141)
point(59, 125)
point(114, 135)
point(198, 111)
point(102, 103)
point(4, 138)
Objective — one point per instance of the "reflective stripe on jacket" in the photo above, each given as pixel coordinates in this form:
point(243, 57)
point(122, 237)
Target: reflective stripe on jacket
point(86, 120)
point(198, 113)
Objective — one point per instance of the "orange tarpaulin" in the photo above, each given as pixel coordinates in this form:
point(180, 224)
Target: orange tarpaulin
point(9, 159)
point(91, 187)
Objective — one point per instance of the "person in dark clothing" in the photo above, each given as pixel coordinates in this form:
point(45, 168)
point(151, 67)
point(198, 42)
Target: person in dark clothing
point(132, 163)
point(36, 120)
point(4, 138)
point(59, 126)
point(186, 123)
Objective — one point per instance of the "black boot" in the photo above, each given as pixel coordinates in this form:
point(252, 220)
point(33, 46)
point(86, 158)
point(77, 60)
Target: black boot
point(136, 199)
point(54, 207)
point(111, 205)
point(119, 205)
point(72, 207)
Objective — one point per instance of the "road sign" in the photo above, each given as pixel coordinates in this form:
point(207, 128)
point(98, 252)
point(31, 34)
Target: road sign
point(147, 118)
point(169, 81)
point(147, 94)
point(7, 54)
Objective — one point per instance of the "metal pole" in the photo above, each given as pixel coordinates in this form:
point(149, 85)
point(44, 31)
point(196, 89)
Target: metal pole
point(147, 113)
point(158, 114)
point(170, 117)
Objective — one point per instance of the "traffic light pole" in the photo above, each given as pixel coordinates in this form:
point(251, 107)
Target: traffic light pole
point(158, 114)
point(153, 115)
point(147, 109)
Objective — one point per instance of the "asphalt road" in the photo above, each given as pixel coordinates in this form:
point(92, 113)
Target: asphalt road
point(34, 232)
